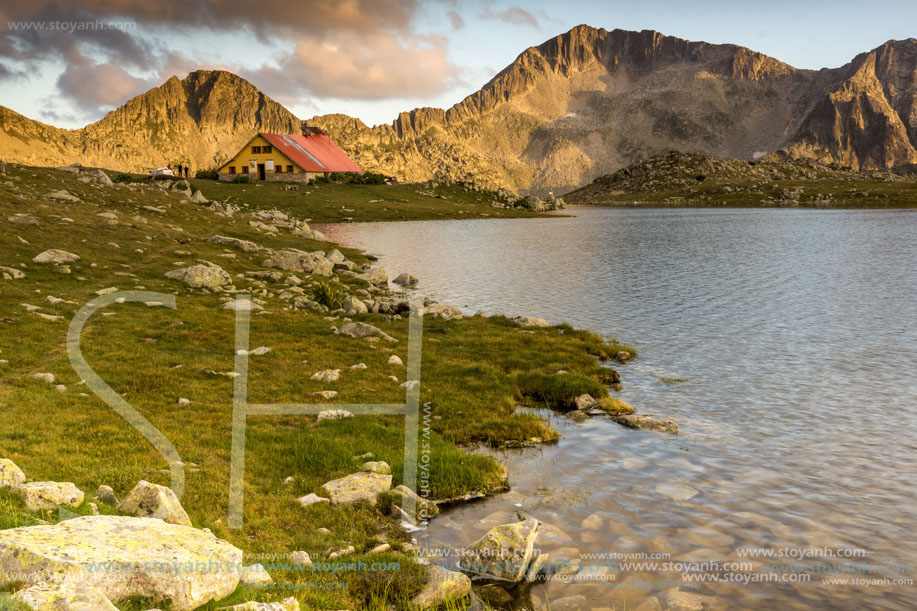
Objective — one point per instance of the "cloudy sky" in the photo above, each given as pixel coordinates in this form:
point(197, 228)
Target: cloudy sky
point(373, 58)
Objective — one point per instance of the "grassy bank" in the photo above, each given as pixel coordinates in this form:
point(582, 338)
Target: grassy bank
point(474, 372)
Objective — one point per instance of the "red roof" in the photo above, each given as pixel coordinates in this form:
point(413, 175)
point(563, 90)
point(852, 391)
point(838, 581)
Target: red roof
point(313, 153)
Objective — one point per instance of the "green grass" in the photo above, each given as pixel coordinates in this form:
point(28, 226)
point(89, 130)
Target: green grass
point(471, 374)
point(330, 203)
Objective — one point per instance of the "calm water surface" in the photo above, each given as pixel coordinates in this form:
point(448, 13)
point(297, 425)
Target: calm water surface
point(793, 334)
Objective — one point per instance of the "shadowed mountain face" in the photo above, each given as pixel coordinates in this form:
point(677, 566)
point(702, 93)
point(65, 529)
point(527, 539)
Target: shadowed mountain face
point(581, 105)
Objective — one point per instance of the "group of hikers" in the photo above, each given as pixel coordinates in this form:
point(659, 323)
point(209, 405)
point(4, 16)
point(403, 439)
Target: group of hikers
point(179, 170)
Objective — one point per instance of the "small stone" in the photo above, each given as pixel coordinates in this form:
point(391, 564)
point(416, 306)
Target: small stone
point(60, 388)
point(376, 466)
point(395, 360)
point(327, 375)
point(44, 377)
point(334, 414)
point(328, 395)
point(155, 501)
point(182, 401)
point(530, 321)
point(381, 548)
point(255, 574)
point(301, 557)
point(311, 499)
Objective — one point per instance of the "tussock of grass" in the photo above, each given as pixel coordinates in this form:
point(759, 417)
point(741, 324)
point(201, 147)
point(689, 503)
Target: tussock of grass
point(615, 405)
point(557, 391)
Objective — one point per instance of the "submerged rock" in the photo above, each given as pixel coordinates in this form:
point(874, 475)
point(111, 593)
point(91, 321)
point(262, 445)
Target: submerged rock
point(61, 553)
point(645, 422)
point(504, 553)
point(406, 280)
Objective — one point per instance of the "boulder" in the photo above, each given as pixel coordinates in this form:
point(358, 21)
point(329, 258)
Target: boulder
point(406, 280)
point(62, 196)
point(585, 402)
point(10, 474)
point(56, 257)
point(11, 273)
point(287, 604)
point(504, 553)
point(204, 275)
point(301, 557)
point(645, 422)
point(255, 574)
point(376, 277)
point(442, 587)
point(198, 197)
point(243, 245)
point(326, 375)
point(136, 554)
point(336, 256)
point(294, 260)
point(359, 330)
point(446, 312)
point(49, 495)
point(106, 495)
point(395, 360)
point(334, 414)
point(530, 321)
point(353, 306)
point(376, 466)
point(100, 177)
point(357, 487)
point(242, 304)
point(423, 508)
point(577, 416)
point(63, 597)
point(155, 501)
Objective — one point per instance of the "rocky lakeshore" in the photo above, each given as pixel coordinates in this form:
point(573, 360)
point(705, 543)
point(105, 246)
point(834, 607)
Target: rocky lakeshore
point(169, 269)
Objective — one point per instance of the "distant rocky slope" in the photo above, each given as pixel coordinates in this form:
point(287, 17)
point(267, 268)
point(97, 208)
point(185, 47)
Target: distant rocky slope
point(579, 106)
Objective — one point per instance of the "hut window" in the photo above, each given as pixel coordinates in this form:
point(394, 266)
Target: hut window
point(256, 149)
point(290, 169)
point(267, 149)
point(232, 169)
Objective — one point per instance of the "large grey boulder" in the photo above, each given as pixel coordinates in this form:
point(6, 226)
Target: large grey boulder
point(376, 277)
point(442, 587)
point(49, 495)
point(243, 245)
point(505, 553)
point(122, 557)
point(353, 306)
point(295, 260)
point(154, 501)
point(48, 596)
point(56, 257)
point(100, 177)
point(357, 487)
point(203, 275)
point(359, 330)
point(10, 474)
point(406, 280)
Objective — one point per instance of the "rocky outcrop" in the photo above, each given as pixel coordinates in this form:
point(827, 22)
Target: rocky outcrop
point(71, 556)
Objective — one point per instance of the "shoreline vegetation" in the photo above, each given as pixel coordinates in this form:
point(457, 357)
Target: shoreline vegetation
point(327, 327)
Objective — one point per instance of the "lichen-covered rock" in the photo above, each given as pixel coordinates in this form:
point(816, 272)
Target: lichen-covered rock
point(11, 273)
point(154, 501)
point(376, 466)
point(119, 556)
point(504, 553)
point(63, 597)
point(376, 277)
point(10, 474)
point(423, 508)
point(645, 422)
point(255, 574)
point(287, 604)
point(406, 280)
point(353, 306)
point(530, 321)
point(49, 495)
point(442, 586)
point(243, 245)
point(203, 275)
point(56, 257)
point(446, 312)
point(585, 402)
point(357, 487)
point(359, 330)
point(294, 260)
